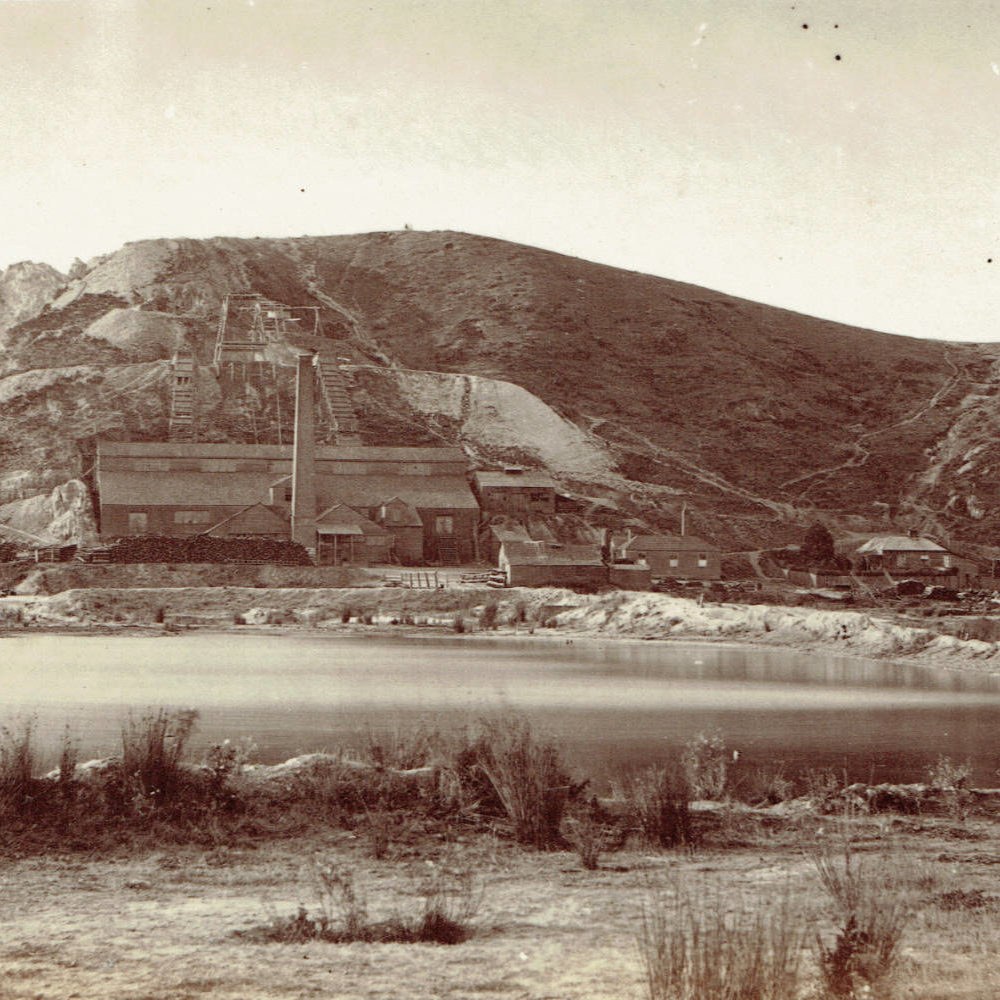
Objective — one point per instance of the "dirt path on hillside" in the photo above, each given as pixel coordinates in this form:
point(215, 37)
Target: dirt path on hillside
point(860, 444)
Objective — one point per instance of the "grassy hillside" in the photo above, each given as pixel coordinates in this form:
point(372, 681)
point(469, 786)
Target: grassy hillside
point(758, 417)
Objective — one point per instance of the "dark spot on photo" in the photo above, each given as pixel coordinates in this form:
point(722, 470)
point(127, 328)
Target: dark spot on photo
point(805, 27)
point(837, 57)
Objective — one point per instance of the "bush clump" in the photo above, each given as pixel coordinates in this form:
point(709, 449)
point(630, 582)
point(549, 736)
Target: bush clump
point(528, 777)
point(657, 804)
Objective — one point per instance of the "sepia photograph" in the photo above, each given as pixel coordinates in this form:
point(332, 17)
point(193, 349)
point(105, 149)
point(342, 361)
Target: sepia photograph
point(499, 499)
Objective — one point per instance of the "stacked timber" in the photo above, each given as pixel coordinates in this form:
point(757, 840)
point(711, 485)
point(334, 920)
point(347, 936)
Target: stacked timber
point(206, 549)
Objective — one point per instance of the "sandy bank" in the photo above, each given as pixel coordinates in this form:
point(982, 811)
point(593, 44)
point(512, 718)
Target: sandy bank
point(542, 612)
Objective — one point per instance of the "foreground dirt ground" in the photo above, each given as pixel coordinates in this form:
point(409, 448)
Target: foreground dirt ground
point(162, 923)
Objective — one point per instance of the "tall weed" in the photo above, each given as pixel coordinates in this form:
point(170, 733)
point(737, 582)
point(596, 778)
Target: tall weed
point(693, 947)
point(18, 762)
point(152, 751)
point(869, 916)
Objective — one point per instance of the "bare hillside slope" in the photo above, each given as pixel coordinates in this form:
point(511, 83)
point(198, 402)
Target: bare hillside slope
point(651, 391)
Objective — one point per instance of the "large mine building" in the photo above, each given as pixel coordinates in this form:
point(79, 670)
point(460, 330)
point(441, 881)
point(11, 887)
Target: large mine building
point(344, 502)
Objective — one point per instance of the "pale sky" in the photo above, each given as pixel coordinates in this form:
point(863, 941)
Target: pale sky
point(720, 142)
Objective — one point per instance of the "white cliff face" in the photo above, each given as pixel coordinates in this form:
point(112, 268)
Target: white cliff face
point(25, 290)
point(504, 415)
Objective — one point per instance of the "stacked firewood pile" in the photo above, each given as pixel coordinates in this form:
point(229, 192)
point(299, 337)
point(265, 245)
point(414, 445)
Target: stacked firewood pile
point(205, 549)
point(8, 551)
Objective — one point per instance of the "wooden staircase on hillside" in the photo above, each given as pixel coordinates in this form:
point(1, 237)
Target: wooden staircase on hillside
point(336, 396)
point(181, 427)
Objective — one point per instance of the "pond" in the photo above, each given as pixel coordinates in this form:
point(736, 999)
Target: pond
point(609, 704)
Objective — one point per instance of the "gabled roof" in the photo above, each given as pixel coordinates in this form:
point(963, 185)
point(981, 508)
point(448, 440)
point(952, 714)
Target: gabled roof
point(342, 520)
point(503, 533)
point(270, 513)
point(410, 518)
point(180, 489)
point(239, 489)
point(669, 543)
point(345, 453)
point(530, 479)
point(898, 543)
point(522, 553)
point(420, 492)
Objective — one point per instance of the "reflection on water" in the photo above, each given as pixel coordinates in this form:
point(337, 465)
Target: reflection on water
point(610, 704)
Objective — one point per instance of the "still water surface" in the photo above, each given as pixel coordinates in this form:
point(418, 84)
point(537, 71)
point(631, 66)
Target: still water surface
point(609, 704)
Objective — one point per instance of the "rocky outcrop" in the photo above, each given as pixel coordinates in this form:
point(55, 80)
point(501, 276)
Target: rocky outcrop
point(65, 514)
point(25, 290)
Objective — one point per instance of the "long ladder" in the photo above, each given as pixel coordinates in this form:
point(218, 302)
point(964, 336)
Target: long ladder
point(182, 426)
point(336, 396)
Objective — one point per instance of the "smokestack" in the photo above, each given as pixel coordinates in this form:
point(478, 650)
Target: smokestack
point(683, 517)
point(304, 455)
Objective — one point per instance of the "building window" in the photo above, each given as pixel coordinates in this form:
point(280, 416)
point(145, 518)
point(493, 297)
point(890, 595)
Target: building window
point(702, 560)
point(138, 522)
point(444, 526)
point(192, 516)
point(673, 561)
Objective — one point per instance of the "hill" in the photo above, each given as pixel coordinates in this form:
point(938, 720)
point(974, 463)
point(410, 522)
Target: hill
point(631, 387)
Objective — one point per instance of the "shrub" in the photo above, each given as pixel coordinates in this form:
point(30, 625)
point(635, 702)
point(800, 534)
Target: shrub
point(870, 918)
point(380, 826)
point(657, 800)
point(589, 835)
point(488, 618)
point(152, 750)
point(953, 780)
point(692, 948)
point(705, 762)
point(528, 778)
point(766, 785)
point(458, 624)
point(226, 759)
point(345, 616)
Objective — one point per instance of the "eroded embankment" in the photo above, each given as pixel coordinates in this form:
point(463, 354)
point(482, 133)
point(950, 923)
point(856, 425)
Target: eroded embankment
point(630, 615)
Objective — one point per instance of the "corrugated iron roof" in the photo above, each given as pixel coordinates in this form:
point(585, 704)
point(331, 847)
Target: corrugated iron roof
point(346, 453)
point(522, 553)
point(179, 489)
point(525, 480)
point(898, 543)
point(276, 512)
point(421, 492)
point(343, 520)
point(668, 543)
point(240, 489)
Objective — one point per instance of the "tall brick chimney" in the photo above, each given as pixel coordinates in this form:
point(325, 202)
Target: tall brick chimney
point(304, 455)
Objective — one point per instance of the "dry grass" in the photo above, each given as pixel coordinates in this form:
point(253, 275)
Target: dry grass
point(870, 915)
point(450, 900)
point(693, 946)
